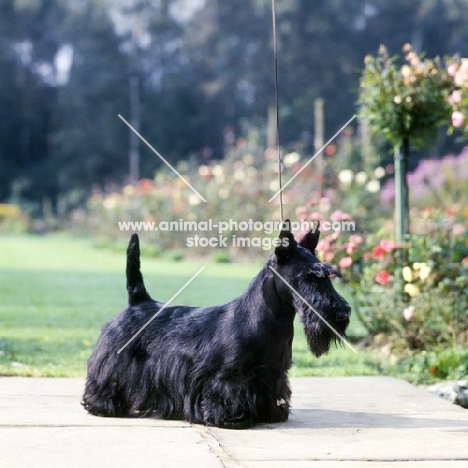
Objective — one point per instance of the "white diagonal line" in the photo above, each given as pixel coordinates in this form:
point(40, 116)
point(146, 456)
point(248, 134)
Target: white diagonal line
point(316, 313)
point(312, 158)
point(161, 309)
point(164, 160)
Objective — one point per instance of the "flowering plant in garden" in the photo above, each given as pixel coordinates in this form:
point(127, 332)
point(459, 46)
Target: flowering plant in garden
point(405, 102)
point(442, 183)
point(458, 71)
point(417, 305)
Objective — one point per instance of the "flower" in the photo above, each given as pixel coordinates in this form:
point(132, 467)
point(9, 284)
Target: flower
point(457, 119)
point(128, 190)
point(389, 245)
point(379, 172)
point(373, 186)
point(408, 313)
point(329, 256)
point(411, 290)
point(346, 176)
point(378, 252)
point(382, 277)
point(315, 216)
point(351, 248)
point(336, 215)
point(407, 274)
point(356, 239)
point(194, 199)
point(455, 97)
point(458, 229)
point(218, 170)
point(406, 70)
point(361, 178)
point(424, 272)
point(323, 246)
point(345, 262)
point(291, 158)
point(452, 69)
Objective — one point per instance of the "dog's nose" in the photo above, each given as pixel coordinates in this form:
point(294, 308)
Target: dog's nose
point(343, 314)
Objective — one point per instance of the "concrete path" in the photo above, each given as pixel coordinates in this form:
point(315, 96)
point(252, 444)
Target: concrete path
point(336, 422)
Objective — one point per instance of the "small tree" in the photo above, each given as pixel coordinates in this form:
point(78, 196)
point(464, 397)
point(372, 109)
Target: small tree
point(406, 105)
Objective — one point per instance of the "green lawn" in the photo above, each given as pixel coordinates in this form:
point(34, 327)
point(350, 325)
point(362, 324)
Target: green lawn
point(56, 292)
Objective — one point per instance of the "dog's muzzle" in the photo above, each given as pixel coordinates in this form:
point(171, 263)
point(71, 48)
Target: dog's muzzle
point(343, 314)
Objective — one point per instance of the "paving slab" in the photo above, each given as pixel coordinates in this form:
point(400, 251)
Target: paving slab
point(335, 422)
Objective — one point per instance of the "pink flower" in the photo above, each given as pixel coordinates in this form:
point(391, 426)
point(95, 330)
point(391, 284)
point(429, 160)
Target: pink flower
point(336, 215)
point(452, 69)
point(458, 229)
point(323, 246)
point(356, 239)
point(351, 248)
point(457, 119)
point(329, 256)
point(315, 216)
point(382, 277)
point(387, 245)
point(301, 211)
point(345, 262)
point(455, 97)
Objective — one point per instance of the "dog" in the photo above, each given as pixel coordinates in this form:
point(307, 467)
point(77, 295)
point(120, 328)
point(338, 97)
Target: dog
point(223, 366)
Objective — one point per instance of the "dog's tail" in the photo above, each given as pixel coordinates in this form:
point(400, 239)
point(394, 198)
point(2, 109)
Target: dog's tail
point(135, 286)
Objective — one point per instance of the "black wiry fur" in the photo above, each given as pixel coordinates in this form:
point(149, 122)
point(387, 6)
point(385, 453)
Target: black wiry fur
point(222, 366)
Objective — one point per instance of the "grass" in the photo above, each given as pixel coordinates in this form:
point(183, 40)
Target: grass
point(56, 292)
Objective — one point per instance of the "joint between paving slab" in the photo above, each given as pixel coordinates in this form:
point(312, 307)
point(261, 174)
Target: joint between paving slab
point(216, 448)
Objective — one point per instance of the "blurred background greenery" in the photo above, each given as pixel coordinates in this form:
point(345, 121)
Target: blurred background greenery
point(195, 76)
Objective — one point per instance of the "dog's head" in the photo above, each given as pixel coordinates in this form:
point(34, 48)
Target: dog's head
point(302, 280)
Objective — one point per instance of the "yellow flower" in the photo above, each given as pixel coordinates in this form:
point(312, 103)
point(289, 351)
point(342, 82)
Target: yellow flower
point(417, 266)
point(128, 190)
point(411, 289)
point(424, 272)
point(407, 274)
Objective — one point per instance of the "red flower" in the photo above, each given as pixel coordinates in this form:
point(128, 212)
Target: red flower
point(378, 252)
point(382, 277)
point(145, 186)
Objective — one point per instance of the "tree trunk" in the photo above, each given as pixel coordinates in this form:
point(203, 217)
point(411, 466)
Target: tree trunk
point(401, 157)
point(134, 155)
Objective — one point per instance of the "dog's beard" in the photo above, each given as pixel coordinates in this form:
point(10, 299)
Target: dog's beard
point(318, 330)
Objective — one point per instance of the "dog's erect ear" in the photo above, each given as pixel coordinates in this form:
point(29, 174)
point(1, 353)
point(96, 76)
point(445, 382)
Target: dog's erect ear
point(287, 243)
point(310, 240)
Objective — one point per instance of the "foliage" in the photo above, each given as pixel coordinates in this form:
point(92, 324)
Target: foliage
point(205, 75)
point(412, 295)
point(427, 367)
point(13, 220)
point(238, 189)
point(408, 102)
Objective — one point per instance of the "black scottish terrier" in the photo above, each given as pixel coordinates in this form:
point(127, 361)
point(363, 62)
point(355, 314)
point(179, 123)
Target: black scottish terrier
point(222, 366)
